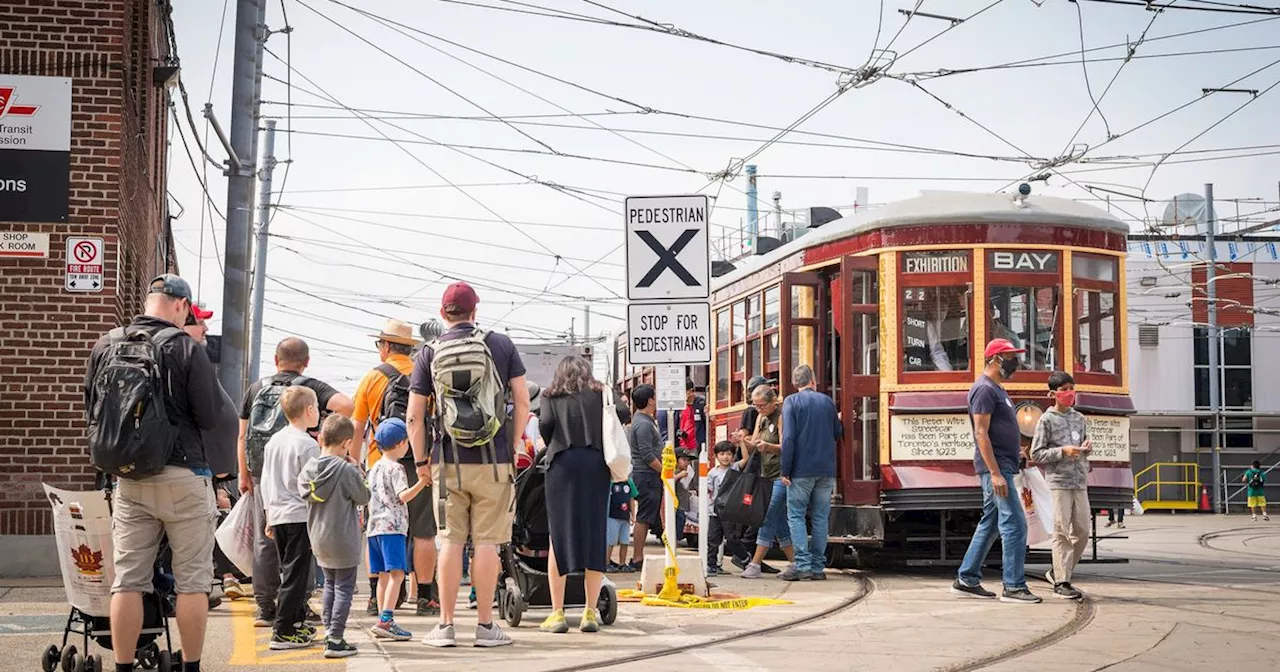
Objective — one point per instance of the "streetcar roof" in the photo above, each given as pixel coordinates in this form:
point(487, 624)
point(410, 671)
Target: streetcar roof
point(940, 208)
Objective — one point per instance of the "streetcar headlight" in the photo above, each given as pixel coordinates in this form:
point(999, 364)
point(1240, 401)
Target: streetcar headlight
point(1028, 417)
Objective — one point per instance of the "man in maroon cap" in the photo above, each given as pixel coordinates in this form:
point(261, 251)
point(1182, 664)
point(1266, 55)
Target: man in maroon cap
point(474, 459)
point(997, 450)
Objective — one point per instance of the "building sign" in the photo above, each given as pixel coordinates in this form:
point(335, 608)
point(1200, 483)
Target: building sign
point(943, 436)
point(1023, 262)
point(84, 264)
point(1109, 435)
point(23, 244)
point(35, 148)
point(948, 436)
point(935, 262)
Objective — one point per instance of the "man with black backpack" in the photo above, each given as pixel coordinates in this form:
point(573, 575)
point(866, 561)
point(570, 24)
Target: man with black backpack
point(150, 390)
point(384, 393)
point(470, 373)
point(260, 418)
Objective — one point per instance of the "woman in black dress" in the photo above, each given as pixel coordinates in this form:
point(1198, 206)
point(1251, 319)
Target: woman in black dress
point(577, 485)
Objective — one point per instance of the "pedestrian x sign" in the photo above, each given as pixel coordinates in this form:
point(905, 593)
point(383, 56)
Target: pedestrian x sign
point(668, 251)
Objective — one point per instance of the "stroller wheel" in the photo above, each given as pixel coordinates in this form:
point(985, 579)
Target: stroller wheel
point(82, 664)
point(149, 656)
point(515, 609)
point(93, 663)
point(50, 660)
point(69, 659)
point(608, 605)
point(502, 602)
point(165, 662)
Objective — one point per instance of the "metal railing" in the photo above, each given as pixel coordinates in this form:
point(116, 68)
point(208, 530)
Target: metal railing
point(1229, 479)
point(1186, 483)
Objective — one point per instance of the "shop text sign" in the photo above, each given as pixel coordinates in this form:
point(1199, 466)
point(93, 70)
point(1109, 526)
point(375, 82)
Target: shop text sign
point(23, 244)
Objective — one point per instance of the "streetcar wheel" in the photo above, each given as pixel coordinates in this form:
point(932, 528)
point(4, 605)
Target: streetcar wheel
point(49, 661)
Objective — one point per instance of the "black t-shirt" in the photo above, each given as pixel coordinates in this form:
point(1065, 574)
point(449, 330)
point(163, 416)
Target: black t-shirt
point(324, 392)
point(987, 397)
point(620, 501)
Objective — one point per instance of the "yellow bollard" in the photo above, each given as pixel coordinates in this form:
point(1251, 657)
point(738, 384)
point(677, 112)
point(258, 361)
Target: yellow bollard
point(671, 573)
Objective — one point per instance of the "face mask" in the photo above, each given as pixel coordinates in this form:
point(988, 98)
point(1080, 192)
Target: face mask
point(1008, 367)
point(1065, 397)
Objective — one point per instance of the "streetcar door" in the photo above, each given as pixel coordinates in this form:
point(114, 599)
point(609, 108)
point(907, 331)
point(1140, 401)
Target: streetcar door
point(804, 330)
point(860, 373)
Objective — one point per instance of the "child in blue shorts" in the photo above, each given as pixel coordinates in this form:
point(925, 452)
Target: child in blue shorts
point(622, 496)
point(389, 494)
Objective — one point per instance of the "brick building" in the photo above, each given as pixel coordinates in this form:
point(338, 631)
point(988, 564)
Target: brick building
point(111, 51)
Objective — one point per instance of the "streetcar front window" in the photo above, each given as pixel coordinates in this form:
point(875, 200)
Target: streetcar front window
point(1030, 317)
point(935, 329)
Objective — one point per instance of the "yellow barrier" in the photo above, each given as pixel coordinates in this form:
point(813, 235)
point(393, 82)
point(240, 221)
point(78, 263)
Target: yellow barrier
point(695, 602)
point(1188, 484)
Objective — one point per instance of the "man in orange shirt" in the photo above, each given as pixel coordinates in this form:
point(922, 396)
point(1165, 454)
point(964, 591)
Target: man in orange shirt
point(384, 393)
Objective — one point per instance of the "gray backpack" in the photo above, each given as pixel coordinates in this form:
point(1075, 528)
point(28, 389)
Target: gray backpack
point(470, 396)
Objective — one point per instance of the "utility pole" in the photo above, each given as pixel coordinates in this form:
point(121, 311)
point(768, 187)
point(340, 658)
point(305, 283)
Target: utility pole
point(586, 324)
point(1215, 337)
point(246, 85)
point(572, 329)
point(260, 260)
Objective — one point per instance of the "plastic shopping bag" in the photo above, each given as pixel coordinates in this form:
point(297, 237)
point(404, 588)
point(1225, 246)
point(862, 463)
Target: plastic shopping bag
point(235, 535)
point(1037, 502)
point(1137, 507)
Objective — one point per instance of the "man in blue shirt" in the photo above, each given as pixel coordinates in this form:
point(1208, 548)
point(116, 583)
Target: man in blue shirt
point(810, 429)
point(997, 449)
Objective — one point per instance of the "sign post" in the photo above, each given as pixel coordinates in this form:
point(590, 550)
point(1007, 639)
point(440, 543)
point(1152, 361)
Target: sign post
point(668, 251)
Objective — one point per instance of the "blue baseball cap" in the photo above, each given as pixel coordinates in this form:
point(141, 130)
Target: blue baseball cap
point(391, 432)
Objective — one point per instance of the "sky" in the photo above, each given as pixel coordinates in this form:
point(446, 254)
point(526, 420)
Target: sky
point(519, 127)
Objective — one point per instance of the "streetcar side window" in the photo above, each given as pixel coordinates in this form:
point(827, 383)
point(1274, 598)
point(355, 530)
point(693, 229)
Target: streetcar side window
point(1097, 285)
point(722, 356)
point(936, 329)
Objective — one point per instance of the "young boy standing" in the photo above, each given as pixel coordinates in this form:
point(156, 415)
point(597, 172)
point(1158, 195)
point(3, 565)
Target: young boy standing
point(284, 457)
point(389, 493)
point(622, 496)
point(334, 488)
point(1061, 446)
point(1256, 479)
point(717, 533)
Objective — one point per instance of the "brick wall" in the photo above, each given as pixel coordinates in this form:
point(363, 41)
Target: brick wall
point(108, 48)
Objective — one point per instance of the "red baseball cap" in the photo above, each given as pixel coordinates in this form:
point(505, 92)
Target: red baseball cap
point(999, 346)
point(201, 313)
point(459, 299)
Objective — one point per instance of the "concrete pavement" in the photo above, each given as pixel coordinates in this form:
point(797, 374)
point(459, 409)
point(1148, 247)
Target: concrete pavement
point(1200, 593)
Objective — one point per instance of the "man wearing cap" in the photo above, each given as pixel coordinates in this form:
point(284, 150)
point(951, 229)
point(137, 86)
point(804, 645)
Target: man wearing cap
point(179, 501)
point(395, 343)
point(997, 450)
point(478, 489)
point(220, 448)
point(292, 357)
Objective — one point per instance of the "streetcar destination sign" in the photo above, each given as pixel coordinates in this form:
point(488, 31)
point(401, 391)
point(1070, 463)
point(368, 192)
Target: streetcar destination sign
point(668, 247)
point(669, 333)
point(935, 262)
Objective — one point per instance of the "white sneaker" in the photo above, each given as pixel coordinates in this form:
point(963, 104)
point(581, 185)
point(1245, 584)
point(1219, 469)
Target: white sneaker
point(1120, 525)
point(1255, 517)
point(441, 636)
point(752, 571)
point(491, 636)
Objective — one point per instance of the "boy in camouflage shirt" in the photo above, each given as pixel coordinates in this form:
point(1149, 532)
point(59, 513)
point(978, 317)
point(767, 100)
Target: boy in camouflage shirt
point(1061, 447)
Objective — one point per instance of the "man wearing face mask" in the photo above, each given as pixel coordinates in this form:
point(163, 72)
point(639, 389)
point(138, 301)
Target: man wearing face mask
point(997, 449)
point(1061, 445)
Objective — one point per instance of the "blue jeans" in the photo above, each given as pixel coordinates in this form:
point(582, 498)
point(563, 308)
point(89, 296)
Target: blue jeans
point(1012, 523)
point(774, 527)
point(810, 497)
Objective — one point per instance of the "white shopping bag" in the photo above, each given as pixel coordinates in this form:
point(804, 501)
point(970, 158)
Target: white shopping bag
point(1137, 507)
point(82, 530)
point(235, 535)
point(1037, 502)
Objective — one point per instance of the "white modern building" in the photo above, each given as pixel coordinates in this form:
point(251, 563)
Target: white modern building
point(1168, 357)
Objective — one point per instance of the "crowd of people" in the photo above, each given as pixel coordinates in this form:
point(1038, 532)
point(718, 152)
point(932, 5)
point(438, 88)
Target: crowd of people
point(335, 481)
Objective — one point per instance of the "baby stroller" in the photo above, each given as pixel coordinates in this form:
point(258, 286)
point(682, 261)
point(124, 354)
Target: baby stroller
point(524, 582)
point(157, 607)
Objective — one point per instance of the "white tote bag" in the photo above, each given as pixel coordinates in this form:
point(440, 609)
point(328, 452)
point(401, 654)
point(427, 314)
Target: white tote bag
point(1037, 502)
point(235, 535)
point(617, 450)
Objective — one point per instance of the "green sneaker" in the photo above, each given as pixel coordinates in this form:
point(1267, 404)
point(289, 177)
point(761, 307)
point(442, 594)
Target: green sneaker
point(555, 624)
point(590, 621)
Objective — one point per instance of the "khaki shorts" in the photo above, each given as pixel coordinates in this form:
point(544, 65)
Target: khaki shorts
point(479, 509)
point(176, 502)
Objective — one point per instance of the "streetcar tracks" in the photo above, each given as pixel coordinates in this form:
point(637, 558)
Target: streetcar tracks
point(865, 588)
point(1086, 609)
